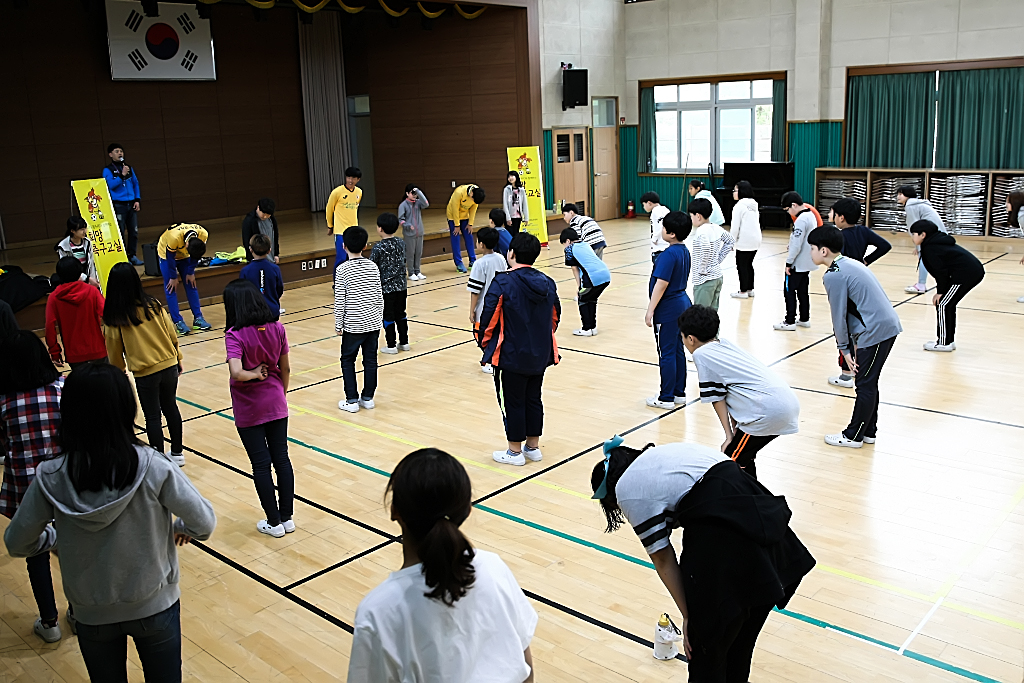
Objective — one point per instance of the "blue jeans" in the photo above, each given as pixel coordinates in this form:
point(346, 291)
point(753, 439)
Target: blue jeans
point(173, 269)
point(671, 360)
point(157, 639)
point(922, 272)
point(467, 239)
point(340, 255)
point(351, 343)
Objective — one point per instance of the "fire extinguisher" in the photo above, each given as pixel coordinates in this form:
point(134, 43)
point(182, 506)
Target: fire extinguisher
point(630, 209)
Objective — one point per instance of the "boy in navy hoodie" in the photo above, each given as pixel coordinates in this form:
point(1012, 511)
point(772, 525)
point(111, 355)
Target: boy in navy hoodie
point(517, 335)
point(264, 273)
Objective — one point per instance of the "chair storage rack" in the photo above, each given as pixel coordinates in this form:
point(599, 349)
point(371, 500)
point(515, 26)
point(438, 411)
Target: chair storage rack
point(971, 202)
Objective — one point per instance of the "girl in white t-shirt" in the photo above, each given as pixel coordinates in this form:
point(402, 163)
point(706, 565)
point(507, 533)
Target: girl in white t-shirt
point(437, 619)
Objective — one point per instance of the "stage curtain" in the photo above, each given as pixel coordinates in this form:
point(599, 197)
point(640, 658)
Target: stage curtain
point(981, 119)
point(646, 161)
point(890, 120)
point(324, 106)
point(779, 120)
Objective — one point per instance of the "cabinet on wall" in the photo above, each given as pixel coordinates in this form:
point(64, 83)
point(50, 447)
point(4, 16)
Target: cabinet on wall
point(971, 202)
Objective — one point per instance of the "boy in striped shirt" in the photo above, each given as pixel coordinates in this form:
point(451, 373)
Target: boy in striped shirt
point(711, 244)
point(586, 227)
point(358, 317)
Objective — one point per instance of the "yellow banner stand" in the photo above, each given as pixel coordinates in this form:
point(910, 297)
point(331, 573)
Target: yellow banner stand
point(95, 207)
point(526, 160)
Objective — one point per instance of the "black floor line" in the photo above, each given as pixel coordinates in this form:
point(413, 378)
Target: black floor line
point(221, 329)
point(968, 308)
point(338, 565)
point(903, 405)
point(605, 355)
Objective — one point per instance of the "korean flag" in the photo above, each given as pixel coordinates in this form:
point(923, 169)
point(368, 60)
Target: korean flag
point(176, 46)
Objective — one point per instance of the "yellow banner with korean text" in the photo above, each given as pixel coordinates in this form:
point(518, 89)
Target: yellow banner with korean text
point(95, 207)
point(526, 160)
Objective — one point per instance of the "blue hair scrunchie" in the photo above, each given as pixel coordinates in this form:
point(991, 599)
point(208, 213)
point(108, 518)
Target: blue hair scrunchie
point(609, 445)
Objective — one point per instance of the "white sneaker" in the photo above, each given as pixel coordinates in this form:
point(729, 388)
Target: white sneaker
point(838, 381)
point(487, 369)
point(840, 440)
point(506, 458)
point(916, 288)
point(352, 407)
point(654, 402)
point(803, 323)
point(177, 458)
point(391, 350)
point(289, 526)
point(49, 635)
point(740, 295)
point(583, 333)
point(367, 403)
point(404, 347)
point(532, 454)
point(282, 311)
point(1020, 299)
point(869, 439)
point(784, 327)
point(275, 531)
point(936, 346)
point(751, 294)
point(679, 400)
point(421, 276)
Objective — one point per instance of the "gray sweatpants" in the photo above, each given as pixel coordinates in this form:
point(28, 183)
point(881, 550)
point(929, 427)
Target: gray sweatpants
point(413, 253)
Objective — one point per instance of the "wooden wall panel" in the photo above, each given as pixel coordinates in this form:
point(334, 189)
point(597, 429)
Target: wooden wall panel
point(202, 150)
point(443, 102)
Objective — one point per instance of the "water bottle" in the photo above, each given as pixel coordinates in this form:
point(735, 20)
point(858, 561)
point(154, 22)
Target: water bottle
point(666, 635)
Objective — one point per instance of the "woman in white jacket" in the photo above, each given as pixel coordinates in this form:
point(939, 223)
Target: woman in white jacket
point(76, 244)
point(514, 199)
point(746, 231)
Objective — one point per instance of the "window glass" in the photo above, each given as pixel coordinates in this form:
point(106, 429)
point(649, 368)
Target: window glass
point(762, 89)
point(665, 93)
point(696, 138)
point(734, 90)
point(604, 112)
point(695, 92)
point(734, 135)
point(763, 132)
point(666, 128)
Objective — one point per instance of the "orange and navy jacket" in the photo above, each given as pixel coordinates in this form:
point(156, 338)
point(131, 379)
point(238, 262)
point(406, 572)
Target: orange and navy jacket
point(519, 320)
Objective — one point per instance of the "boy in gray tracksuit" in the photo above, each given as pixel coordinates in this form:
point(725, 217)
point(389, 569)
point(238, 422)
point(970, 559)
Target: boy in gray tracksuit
point(865, 325)
point(918, 210)
point(410, 217)
point(798, 263)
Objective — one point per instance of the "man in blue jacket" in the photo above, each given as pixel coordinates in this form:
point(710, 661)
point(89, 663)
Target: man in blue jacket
point(124, 192)
point(517, 335)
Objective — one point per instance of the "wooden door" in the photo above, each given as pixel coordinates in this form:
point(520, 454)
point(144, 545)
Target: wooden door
point(606, 173)
point(572, 167)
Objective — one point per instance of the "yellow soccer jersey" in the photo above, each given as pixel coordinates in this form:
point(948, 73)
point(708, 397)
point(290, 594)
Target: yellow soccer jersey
point(343, 208)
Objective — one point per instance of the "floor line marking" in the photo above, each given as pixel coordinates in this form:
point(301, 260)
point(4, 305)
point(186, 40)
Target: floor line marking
point(920, 625)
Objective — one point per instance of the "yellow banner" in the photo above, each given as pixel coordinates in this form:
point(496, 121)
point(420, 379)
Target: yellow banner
point(526, 160)
point(95, 207)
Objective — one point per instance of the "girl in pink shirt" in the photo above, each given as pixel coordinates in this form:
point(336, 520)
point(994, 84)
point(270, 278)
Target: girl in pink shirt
point(257, 356)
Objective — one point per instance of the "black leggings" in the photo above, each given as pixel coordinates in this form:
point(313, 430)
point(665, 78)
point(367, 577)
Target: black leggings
point(745, 268)
point(158, 394)
point(516, 224)
point(42, 586)
point(267, 444)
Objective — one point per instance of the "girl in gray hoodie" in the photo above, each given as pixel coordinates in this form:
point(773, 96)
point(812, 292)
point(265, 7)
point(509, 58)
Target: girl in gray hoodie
point(118, 509)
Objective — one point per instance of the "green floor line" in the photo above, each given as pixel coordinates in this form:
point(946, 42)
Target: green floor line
point(924, 659)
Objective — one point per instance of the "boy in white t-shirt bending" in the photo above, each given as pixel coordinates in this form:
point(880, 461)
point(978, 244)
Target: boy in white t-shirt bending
point(752, 402)
point(652, 205)
point(480, 276)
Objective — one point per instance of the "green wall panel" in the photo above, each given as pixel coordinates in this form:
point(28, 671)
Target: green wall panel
point(813, 145)
point(633, 185)
point(549, 172)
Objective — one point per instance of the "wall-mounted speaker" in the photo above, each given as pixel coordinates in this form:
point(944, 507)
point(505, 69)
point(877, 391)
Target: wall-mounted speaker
point(574, 88)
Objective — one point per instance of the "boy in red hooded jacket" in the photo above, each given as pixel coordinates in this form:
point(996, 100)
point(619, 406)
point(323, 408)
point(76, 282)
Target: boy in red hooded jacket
point(75, 308)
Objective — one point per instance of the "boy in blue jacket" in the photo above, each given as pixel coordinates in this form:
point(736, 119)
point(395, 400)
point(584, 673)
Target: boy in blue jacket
point(124, 194)
point(517, 335)
point(264, 273)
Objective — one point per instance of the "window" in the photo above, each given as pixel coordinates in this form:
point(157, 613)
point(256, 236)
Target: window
point(604, 112)
point(697, 124)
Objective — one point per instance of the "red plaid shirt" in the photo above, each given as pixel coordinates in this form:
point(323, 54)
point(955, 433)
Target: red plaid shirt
point(28, 427)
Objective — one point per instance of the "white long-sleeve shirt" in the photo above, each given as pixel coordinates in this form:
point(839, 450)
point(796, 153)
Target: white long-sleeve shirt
point(358, 297)
point(658, 243)
point(745, 226)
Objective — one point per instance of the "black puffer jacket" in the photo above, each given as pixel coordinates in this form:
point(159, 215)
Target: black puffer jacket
point(949, 263)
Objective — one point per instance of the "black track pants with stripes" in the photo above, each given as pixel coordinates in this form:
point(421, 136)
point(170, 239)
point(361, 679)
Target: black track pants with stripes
point(870, 360)
point(945, 311)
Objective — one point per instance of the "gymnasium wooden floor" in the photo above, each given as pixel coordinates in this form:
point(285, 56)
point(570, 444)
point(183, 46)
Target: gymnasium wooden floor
point(917, 538)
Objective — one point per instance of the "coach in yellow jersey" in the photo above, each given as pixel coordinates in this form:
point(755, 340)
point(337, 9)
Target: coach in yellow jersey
point(180, 248)
point(461, 214)
point(343, 211)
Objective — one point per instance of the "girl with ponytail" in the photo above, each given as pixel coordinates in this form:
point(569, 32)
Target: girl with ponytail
point(451, 613)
